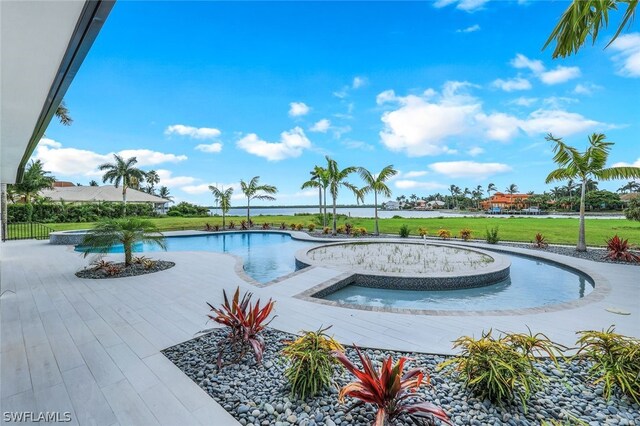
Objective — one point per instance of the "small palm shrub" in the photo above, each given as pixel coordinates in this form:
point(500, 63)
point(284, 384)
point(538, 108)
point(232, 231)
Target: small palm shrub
point(492, 235)
point(292, 226)
point(207, 227)
point(311, 363)
point(299, 227)
point(404, 231)
point(216, 227)
point(244, 225)
point(423, 232)
point(615, 358)
point(445, 234)
point(266, 226)
point(245, 322)
point(283, 226)
point(465, 234)
point(311, 227)
point(340, 229)
point(500, 369)
point(540, 241)
point(348, 228)
point(232, 225)
point(326, 230)
point(390, 390)
point(619, 249)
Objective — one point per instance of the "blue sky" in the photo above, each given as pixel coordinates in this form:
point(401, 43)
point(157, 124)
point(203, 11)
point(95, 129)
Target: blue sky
point(451, 92)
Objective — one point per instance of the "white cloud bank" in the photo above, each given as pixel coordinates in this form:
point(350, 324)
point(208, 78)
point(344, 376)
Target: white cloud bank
point(212, 148)
point(469, 169)
point(466, 5)
point(192, 132)
point(298, 109)
point(321, 126)
point(291, 145)
point(628, 57)
point(558, 75)
point(513, 84)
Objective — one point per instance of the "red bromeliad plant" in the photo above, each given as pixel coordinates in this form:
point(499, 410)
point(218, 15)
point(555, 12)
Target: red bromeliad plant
point(619, 249)
point(391, 391)
point(245, 321)
point(541, 241)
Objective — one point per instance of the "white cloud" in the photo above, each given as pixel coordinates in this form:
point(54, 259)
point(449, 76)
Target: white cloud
point(513, 84)
point(210, 148)
point(352, 144)
point(415, 174)
point(193, 132)
point(291, 144)
point(558, 122)
point(358, 82)
point(521, 61)
point(167, 178)
point(414, 184)
point(499, 126)
point(321, 126)
point(461, 169)
point(475, 151)
point(586, 88)
point(628, 58)
point(560, 75)
point(471, 29)
point(81, 162)
point(298, 109)
point(624, 164)
point(523, 101)
point(466, 5)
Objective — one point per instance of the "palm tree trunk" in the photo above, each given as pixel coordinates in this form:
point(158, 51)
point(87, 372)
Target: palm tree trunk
point(335, 221)
point(582, 244)
point(124, 200)
point(127, 253)
point(223, 215)
point(375, 206)
point(324, 217)
point(320, 199)
point(248, 209)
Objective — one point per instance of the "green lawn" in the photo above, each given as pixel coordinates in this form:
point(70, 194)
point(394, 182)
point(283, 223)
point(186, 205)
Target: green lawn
point(556, 230)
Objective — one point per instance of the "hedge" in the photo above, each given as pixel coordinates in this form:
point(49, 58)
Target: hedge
point(62, 212)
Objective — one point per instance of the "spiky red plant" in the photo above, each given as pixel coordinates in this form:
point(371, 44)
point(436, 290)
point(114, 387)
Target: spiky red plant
point(541, 241)
point(245, 322)
point(619, 249)
point(391, 391)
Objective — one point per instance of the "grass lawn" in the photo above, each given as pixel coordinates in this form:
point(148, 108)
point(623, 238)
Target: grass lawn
point(556, 230)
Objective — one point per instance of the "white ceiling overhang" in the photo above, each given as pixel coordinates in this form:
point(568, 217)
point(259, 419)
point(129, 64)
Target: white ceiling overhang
point(42, 45)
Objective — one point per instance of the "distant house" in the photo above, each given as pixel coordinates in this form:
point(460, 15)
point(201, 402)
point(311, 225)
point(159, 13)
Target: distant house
point(435, 204)
point(625, 198)
point(391, 205)
point(62, 184)
point(103, 194)
point(420, 205)
point(503, 201)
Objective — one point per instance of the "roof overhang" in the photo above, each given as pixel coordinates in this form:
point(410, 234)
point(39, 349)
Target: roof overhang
point(43, 44)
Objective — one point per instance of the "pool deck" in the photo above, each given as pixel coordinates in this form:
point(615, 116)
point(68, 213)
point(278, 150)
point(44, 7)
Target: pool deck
point(92, 347)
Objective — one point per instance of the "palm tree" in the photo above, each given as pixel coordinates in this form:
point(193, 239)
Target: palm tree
point(574, 164)
point(223, 198)
point(35, 179)
point(163, 192)
point(62, 113)
point(152, 179)
point(491, 188)
point(376, 184)
point(583, 18)
point(337, 179)
point(127, 232)
point(258, 192)
point(477, 195)
point(319, 179)
point(93, 183)
point(512, 189)
point(122, 172)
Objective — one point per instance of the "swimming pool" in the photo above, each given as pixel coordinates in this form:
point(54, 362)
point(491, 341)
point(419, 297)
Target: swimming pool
point(266, 255)
point(532, 283)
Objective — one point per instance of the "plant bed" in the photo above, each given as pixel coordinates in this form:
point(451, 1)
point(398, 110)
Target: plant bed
point(259, 394)
point(120, 271)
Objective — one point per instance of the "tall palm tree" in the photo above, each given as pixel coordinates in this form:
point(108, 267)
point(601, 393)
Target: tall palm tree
point(376, 184)
point(93, 183)
point(477, 195)
point(338, 179)
point(512, 189)
point(491, 188)
point(319, 179)
point(152, 178)
point(62, 113)
point(583, 18)
point(122, 172)
point(223, 198)
point(253, 191)
point(573, 164)
point(163, 192)
point(35, 179)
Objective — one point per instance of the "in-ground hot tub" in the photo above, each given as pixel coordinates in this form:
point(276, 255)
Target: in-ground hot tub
point(409, 265)
point(67, 238)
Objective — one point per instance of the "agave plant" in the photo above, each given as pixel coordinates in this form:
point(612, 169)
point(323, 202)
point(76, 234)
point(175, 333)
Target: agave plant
point(245, 322)
point(540, 241)
point(619, 249)
point(391, 390)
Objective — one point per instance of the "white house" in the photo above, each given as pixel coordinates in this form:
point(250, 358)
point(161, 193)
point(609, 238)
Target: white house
point(106, 193)
point(391, 205)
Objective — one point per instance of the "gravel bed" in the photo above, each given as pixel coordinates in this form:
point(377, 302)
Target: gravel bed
point(130, 271)
point(259, 394)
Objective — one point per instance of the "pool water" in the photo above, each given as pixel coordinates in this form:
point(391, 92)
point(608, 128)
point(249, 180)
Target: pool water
point(532, 283)
point(266, 255)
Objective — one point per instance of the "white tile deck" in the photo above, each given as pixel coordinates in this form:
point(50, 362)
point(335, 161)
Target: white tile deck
point(92, 347)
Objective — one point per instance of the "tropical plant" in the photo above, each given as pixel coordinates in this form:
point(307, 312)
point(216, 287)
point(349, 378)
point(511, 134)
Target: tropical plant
point(465, 234)
point(152, 178)
point(253, 191)
point(376, 183)
point(311, 362)
point(244, 225)
point(585, 18)
point(615, 360)
point(163, 192)
point(245, 322)
point(492, 235)
point(632, 212)
point(390, 390)
point(573, 164)
point(348, 228)
point(122, 172)
point(619, 249)
point(266, 226)
point(223, 199)
point(445, 234)
point(404, 231)
point(93, 183)
point(129, 231)
point(423, 232)
point(319, 179)
point(337, 178)
point(63, 115)
point(34, 180)
point(311, 227)
point(326, 230)
point(540, 241)
point(299, 227)
point(283, 226)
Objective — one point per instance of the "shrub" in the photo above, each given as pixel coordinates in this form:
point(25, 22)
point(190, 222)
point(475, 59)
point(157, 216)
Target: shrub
point(208, 227)
point(615, 358)
point(540, 241)
point(216, 227)
point(244, 225)
point(391, 390)
point(186, 209)
point(619, 249)
point(340, 229)
point(174, 213)
point(64, 212)
point(492, 235)
point(423, 232)
point(396, 216)
point(245, 322)
point(265, 226)
point(311, 227)
point(326, 230)
point(445, 234)
point(348, 228)
point(500, 369)
point(465, 234)
point(299, 227)
point(232, 225)
point(293, 226)
point(632, 212)
point(359, 231)
point(311, 363)
point(283, 226)
point(404, 231)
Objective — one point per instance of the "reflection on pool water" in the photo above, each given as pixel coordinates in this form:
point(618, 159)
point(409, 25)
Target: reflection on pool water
point(266, 255)
point(532, 283)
